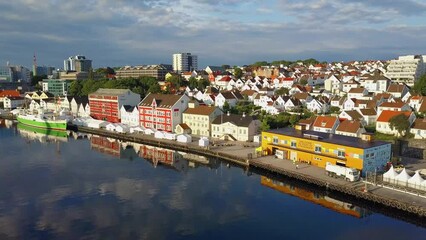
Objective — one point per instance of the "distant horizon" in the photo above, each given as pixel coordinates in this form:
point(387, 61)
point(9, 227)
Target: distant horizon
point(248, 64)
point(118, 33)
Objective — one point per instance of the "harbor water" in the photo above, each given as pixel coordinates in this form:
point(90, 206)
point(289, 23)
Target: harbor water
point(91, 187)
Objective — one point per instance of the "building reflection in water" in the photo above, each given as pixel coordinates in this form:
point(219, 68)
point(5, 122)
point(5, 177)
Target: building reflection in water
point(5, 123)
point(157, 156)
point(315, 197)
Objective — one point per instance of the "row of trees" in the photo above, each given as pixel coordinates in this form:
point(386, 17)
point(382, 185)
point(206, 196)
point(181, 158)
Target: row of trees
point(306, 62)
point(142, 85)
point(420, 86)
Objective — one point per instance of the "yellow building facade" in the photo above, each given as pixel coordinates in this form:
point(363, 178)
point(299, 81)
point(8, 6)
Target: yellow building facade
point(318, 148)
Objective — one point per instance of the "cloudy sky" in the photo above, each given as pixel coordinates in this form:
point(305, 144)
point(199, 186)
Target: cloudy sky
point(132, 32)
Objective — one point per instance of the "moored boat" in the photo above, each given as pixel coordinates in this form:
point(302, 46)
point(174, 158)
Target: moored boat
point(42, 121)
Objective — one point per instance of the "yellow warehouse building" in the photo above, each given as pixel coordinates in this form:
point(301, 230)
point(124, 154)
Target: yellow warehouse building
point(318, 148)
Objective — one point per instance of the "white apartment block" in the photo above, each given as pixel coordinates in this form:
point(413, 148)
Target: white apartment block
point(184, 62)
point(406, 69)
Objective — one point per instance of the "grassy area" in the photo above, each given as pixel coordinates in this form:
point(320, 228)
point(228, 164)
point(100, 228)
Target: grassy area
point(383, 137)
point(370, 128)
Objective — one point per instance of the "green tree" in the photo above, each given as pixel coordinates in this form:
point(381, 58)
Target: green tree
point(283, 62)
point(334, 109)
point(282, 91)
point(238, 73)
point(264, 126)
point(155, 88)
point(202, 84)
point(399, 123)
point(176, 81)
point(303, 81)
point(75, 88)
point(226, 66)
point(294, 119)
point(226, 107)
point(310, 61)
point(260, 63)
point(192, 82)
point(36, 79)
point(420, 85)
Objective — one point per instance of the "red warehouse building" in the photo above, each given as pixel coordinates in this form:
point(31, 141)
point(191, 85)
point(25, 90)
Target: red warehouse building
point(105, 103)
point(162, 111)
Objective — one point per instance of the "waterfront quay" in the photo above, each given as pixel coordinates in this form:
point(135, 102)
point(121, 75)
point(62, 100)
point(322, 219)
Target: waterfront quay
point(244, 154)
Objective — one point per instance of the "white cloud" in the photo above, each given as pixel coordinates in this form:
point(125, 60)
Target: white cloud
point(226, 31)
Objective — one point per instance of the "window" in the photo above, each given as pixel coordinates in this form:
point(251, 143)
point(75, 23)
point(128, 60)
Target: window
point(340, 153)
point(318, 149)
point(275, 140)
point(293, 144)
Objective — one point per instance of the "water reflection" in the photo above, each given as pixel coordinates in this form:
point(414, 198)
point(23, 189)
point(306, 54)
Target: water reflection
point(315, 197)
point(179, 161)
point(41, 134)
point(88, 193)
point(5, 123)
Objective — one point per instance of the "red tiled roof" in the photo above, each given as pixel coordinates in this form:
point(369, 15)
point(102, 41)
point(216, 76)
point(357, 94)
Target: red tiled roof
point(423, 106)
point(184, 126)
point(396, 88)
point(386, 115)
point(420, 123)
point(226, 78)
point(392, 104)
point(9, 93)
point(200, 110)
point(349, 126)
point(356, 90)
point(325, 121)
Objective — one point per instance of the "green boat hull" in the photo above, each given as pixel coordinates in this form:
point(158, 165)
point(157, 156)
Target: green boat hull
point(48, 124)
point(43, 131)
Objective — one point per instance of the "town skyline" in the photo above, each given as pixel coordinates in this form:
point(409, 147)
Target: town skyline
point(118, 33)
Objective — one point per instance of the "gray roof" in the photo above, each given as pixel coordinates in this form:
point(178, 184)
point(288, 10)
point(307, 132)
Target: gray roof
point(129, 108)
point(110, 91)
point(330, 138)
point(235, 119)
point(162, 100)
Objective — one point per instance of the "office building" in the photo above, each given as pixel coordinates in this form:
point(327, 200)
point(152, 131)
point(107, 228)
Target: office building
point(406, 69)
point(43, 70)
point(57, 87)
point(77, 63)
point(157, 71)
point(184, 62)
point(15, 73)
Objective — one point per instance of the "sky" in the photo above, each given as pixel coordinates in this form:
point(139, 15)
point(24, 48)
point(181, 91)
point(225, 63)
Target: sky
point(135, 32)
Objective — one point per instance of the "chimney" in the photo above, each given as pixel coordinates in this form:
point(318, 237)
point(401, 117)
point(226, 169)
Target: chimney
point(300, 127)
point(244, 114)
point(228, 113)
point(367, 137)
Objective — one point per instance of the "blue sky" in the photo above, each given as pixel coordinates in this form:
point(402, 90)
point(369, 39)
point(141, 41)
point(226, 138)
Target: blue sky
point(132, 32)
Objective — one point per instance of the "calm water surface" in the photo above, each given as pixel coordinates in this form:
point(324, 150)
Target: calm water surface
point(99, 188)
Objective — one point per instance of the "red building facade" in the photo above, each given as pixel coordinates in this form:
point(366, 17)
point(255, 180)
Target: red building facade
point(105, 104)
point(105, 145)
point(162, 111)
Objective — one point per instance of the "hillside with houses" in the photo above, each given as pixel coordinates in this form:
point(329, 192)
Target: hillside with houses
point(348, 98)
